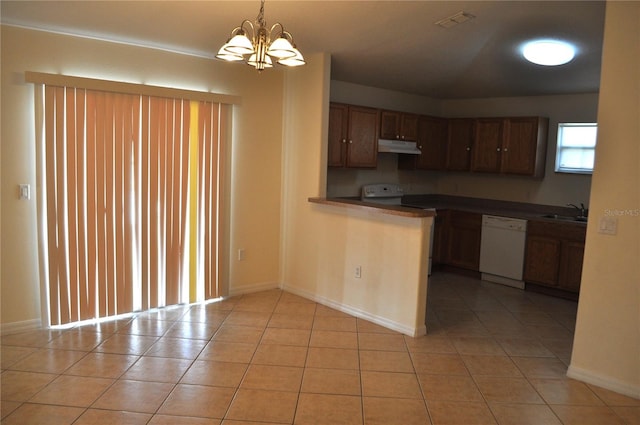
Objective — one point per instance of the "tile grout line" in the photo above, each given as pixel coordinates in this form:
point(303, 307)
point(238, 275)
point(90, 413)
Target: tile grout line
point(459, 288)
point(493, 338)
point(244, 375)
point(140, 357)
point(415, 374)
point(304, 367)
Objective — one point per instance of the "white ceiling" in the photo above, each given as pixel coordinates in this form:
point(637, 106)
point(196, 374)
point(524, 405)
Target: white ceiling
point(387, 44)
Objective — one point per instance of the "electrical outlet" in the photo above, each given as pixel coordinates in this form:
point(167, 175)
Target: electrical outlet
point(241, 254)
point(358, 272)
point(608, 226)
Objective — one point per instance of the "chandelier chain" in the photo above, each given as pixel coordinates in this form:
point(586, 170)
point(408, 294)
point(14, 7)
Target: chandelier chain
point(260, 19)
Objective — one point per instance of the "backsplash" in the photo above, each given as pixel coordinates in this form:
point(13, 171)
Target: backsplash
point(347, 182)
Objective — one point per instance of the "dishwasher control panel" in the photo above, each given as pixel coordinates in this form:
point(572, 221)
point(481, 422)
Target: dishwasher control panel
point(504, 222)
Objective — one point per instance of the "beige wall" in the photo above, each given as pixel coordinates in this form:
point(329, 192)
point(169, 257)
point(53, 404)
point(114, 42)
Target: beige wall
point(606, 348)
point(322, 245)
point(255, 153)
point(554, 189)
point(357, 94)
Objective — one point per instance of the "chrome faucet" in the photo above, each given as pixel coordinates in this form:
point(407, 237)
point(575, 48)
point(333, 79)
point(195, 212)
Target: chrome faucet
point(581, 208)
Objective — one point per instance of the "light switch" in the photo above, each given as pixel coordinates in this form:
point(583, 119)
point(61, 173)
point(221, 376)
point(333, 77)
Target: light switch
point(608, 226)
point(25, 191)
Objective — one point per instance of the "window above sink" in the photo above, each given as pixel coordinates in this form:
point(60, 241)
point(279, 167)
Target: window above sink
point(576, 148)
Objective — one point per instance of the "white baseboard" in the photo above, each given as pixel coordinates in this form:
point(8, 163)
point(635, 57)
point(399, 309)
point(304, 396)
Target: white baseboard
point(378, 320)
point(256, 287)
point(604, 382)
point(23, 326)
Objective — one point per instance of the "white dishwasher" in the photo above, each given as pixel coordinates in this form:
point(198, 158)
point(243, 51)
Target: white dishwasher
point(502, 250)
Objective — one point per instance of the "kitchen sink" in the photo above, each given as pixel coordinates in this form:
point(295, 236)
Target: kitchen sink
point(565, 217)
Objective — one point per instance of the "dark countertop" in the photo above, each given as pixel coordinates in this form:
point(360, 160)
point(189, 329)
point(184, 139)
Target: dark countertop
point(355, 203)
point(521, 210)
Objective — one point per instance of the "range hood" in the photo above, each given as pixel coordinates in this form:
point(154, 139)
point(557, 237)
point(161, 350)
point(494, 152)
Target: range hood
point(398, 146)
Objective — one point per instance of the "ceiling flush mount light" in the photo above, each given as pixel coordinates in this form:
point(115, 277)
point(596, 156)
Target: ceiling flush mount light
point(548, 52)
point(259, 46)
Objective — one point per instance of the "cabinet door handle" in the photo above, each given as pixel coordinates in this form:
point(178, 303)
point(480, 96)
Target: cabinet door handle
point(420, 147)
point(350, 141)
point(344, 140)
point(498, 149)
point(504, 150)
point(397, 136)
point(468, 149)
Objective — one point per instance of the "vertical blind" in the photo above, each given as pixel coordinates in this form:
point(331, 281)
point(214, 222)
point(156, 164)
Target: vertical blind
point(131, 201)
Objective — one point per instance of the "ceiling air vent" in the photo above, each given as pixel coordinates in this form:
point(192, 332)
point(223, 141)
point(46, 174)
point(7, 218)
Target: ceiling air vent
point(454, 20)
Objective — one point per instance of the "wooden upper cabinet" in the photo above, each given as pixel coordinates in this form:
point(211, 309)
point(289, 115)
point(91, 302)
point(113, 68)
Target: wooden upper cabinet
point(459, 145)
point(510, 146)
point(338, 129)
point(389, 125)
point(487, 144)
point(398, 126)
point(353, 136)
point(362, 140)
point(409, 127)
point(432, 142)
point(525, 146)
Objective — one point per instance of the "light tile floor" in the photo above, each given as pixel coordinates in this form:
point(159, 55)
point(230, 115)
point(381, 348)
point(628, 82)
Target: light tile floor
point(493, 355)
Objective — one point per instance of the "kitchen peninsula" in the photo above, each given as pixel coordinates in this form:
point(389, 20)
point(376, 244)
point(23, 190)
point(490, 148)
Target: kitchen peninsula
point(380, 253)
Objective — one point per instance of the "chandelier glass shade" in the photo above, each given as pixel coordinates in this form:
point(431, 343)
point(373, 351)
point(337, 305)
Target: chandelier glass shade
point(259, 46)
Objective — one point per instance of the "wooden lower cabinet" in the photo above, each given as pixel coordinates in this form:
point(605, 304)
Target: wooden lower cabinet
point(554, 255)
point(439, 236)
point(457, 239)
point(571, 266)
point(542, 260)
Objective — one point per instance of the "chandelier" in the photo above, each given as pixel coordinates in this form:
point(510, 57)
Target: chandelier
point(259, 46)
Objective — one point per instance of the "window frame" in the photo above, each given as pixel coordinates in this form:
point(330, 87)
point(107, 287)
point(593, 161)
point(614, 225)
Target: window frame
point(560, 149)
